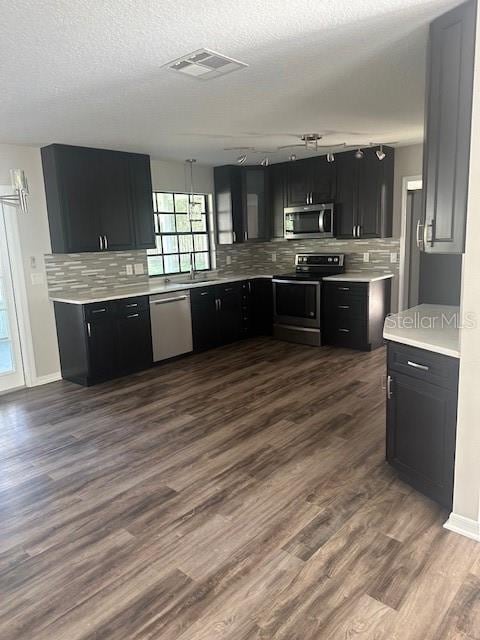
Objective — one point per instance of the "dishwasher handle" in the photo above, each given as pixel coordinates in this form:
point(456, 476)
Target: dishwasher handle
point(167, 300)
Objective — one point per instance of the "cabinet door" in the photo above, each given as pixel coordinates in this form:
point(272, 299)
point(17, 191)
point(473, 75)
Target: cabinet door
point(323, 180)
point(79, 212)
point(297, 183)
point(134, 341)
point(277, 203)
point(255, 226)
point(421, 427)
point(229, 204)
point(262, 306)
point(448, 122)
point(101, 348)
point(204, 318)
point(229, 313)
point(347, 194)
point(375, 194)
point(142, 208)
point(114, 198)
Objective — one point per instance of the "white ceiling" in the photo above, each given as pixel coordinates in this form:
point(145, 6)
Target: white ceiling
point(90, 72)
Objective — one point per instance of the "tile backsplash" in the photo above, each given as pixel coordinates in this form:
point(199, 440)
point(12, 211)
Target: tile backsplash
point(96, 272)
point(257, 257)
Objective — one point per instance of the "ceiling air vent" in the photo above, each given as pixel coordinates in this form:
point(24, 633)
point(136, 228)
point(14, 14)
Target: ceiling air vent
point(205, 65)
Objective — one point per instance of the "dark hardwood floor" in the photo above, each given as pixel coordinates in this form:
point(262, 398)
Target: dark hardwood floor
point(241, 493)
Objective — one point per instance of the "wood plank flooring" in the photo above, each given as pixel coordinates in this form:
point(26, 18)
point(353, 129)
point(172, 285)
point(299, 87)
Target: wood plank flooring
point(240, 494)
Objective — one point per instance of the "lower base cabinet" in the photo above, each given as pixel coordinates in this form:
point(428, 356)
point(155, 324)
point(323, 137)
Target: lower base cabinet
point(102, 341)
point(421, 419)
point(353, 313)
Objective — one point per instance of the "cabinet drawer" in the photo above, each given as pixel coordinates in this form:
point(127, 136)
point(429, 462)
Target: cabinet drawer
point(131, 305)
point(98, 310)
point(353, 336)
point(200, 294)
point(347, 289)
point(424, 365)
point(229, 287)
point(352, 308)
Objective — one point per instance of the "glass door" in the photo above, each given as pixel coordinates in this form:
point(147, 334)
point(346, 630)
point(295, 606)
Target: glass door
point(11, 366)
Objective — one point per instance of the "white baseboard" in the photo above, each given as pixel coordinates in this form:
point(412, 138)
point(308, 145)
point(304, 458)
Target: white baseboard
point(51, 377)
point(463, 526)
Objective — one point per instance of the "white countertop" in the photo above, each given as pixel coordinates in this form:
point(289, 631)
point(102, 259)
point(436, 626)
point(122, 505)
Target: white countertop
point(427, 326)
point(364, 276)
point(146, 289)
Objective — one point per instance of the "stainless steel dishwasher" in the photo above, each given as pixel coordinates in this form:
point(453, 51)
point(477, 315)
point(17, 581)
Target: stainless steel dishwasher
point(171, 319)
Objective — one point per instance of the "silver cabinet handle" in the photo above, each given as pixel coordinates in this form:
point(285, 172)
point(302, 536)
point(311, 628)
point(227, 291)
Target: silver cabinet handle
point(234, 236)
point(89, 329)
point(130, 306)
point(245, 235)
point(343, 288)
point(389, 387)
point(219, 304)
point(133, 315)
point(344, 330)
point(415, 365)
point(359, 231)
point(105, 242)
point(204, 293)
point(99, 310)
point(425, 235)
point(249, 286)
point(100, 242)
point(420, 243)
point(344, 306)
point(166, 300)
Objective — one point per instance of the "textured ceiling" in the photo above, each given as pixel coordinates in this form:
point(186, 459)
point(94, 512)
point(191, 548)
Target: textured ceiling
point(89, 72)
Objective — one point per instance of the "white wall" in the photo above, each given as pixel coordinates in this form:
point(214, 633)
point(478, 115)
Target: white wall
point(466, 506)
point(34, 242)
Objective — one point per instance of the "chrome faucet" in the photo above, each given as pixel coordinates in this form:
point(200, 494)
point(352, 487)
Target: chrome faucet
point(192, 266)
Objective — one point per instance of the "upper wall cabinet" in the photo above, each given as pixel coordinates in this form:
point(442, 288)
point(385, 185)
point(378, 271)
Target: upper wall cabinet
point(309, 181)
point(97, 200)
point(364, 196)
point(448, 120)
point(241, 204)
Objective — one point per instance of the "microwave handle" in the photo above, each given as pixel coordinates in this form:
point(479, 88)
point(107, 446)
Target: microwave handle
point(321, 221)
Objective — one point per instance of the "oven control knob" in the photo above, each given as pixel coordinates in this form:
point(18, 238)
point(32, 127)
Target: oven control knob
point(330, 259)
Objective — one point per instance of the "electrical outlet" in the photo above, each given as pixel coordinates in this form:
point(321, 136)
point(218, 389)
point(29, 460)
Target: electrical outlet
point(366, 257)
point(228, 260)
point(129, 269)
point(138, 268)
point(274, 256)
point(393, 256)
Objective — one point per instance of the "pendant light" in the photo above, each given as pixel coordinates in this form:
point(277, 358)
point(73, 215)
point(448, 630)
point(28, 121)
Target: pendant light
point(292, 157)
point(19, 183)
point(194, 206)
point(265, 162)
point(330, 157)
point(359, 154)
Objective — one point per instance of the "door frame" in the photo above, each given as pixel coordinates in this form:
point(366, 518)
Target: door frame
point(409, 183)
point(20, 292)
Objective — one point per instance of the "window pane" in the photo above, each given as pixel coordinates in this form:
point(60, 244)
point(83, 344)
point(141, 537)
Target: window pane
point(183, 223)
point(172, 264)
point(200, 225)
point(155, 266)
point(184, 262)
point(165, 202)
point(167, 222)
point(185, 244)
point(201, 242)
point(158, 242)
point(170, 244)
point(181, 203)
point(201, 261)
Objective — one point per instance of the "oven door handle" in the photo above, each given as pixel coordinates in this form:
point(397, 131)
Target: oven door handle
point(314, 283)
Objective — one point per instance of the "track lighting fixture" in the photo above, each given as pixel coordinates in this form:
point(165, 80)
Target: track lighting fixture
point(242, 159)
point(380, 153)
point(292, 157)
point(330, 157)
point(359, 154)
point(265, 162)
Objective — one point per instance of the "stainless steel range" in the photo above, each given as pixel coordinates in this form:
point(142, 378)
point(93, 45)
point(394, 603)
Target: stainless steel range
point(297, 297)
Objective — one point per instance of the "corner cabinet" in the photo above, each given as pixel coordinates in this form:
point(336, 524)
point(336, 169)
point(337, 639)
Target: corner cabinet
point(450, 69)
point(422, 389)
point(97, 200)
point(242, 209)
point(364, 194)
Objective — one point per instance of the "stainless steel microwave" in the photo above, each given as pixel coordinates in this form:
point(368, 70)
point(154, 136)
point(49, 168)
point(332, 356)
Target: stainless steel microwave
point(309, 221)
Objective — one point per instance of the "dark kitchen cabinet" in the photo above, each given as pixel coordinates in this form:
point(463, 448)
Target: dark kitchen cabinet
point(261, 314)
point(450, 69)
point(353, 313)
point(421, 419)
point(97, 200)
point(364, 194)
point(309, 181)
point(229, 316)
point(241, 204)
point(104, 340)
point(204, 306)
point(276, 184)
